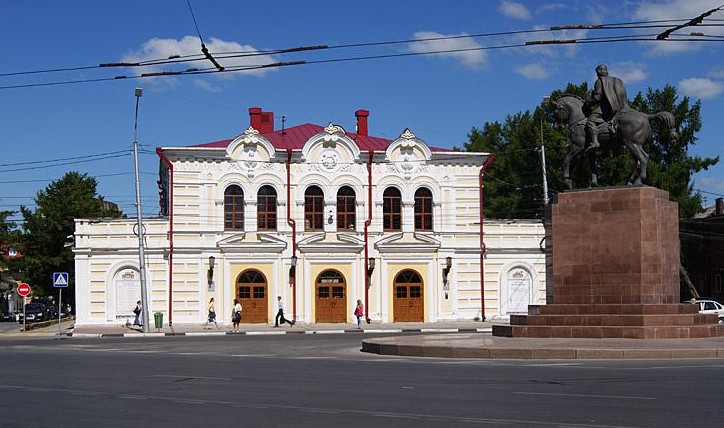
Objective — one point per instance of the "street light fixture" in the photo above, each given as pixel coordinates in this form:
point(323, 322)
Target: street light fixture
point(210, 272)
point(370, 266)
point(138, 92)
point(293, 269)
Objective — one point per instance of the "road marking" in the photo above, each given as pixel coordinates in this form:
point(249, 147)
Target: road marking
point(680, 367)
point(192, 353)
point(426, 417)
point(622, 397)
point(192, 377)
point(252, 355)
point(266, 333)
point(554, 364)
point(212, 333)
point(324, 332)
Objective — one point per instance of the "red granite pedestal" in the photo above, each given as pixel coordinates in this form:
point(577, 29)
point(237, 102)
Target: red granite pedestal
point(615, 271)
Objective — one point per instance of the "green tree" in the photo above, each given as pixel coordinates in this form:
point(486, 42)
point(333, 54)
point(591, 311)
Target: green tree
point(47, 228)
point(10, 237)
point(514, 182)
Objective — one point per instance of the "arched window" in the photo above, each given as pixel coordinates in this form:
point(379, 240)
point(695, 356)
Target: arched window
point(233, 208)
point(423, 209)
point(392, 209)
point(346, 208)
point(266, 208)
point(313, 208)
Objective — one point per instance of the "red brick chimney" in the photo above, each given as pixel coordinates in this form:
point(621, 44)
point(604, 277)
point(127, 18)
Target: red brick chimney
point(262, 121)
point(362, 122)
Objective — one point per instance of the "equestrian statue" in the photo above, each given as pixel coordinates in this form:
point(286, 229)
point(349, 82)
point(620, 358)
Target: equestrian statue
point(605, 121)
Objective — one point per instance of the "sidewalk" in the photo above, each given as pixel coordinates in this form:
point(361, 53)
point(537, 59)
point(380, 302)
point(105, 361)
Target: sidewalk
point(70, 330)
point(489, 347)
point(459, 339)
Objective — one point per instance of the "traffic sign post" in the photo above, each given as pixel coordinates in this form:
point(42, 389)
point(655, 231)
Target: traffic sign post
point(24, 290)
point(60, 281)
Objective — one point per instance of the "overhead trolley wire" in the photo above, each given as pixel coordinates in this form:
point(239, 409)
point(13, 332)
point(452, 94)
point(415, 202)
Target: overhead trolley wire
point(228, 55)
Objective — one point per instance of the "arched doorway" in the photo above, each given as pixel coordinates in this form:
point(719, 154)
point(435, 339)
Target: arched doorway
point(251, 290)
point(128, 291)
point(330, 297)
point(408, 303)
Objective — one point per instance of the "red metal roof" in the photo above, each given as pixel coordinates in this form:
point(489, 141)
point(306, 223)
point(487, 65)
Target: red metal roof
point(295, 138)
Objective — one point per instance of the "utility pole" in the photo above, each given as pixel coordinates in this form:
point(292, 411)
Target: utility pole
point(141, 255)
point(543, 156)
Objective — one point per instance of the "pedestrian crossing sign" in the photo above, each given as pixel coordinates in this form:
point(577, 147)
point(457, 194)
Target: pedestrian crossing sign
point(60, 279)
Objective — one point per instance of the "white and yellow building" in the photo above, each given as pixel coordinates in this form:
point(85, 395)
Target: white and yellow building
point(322, 217)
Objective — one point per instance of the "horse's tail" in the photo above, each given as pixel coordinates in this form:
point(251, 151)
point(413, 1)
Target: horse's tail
point(667, 119)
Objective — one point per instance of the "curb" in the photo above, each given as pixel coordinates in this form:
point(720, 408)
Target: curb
point(253, 333)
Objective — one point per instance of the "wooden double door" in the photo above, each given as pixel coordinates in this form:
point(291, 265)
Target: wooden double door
point(408, 303)
point(330, 301)
point(252, 292)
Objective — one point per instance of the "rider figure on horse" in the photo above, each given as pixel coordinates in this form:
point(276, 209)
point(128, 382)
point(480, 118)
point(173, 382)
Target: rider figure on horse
point(605, 101)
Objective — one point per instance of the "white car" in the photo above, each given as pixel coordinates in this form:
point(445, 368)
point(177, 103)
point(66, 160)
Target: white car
point(709, 307)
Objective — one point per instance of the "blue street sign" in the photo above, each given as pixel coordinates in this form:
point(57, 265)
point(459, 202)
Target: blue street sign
point(60, 279)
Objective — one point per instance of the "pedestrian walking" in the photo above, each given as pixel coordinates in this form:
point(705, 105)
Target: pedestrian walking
point(359, 312)
point(211, 308)
point(236, 315)
point(138, 321)
point(280, 314)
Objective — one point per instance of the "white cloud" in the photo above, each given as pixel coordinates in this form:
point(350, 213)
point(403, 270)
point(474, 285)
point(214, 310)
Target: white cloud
point(550, 7)
point(701, 88)
point(466, 54)
point(533, 71)
point(514, 10)
point(629, 72)
point(158, 49)
point(717, 73)
point(677, 10)
point(207, 86)
point(711, 184)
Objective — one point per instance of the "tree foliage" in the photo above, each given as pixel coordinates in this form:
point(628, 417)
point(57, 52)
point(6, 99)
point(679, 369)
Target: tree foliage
point(10, 237)
point(514, 181)
point(47, 228)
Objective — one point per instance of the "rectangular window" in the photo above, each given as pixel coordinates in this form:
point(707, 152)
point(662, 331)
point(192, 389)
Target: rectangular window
point(392, 213)
point(233, 212)
point(323, 292)
point(314, 212)
point(401, 292)
point(415, 291)
point(245, 292)
point(423, 213)
point(346, 218)
point(267, 212)
point(338, 292)
point(259, 292)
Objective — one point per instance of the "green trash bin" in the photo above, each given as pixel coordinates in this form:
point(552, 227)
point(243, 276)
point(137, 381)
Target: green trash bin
point(158, 319)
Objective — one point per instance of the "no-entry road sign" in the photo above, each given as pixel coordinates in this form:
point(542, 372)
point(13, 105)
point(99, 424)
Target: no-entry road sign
point(23, 289)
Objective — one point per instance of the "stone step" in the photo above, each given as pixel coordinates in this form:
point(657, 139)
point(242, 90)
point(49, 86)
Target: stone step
point(613, 309)
point(610, 332)
point(633, 320)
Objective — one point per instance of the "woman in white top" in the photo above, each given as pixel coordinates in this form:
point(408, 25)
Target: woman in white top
point(236, 315)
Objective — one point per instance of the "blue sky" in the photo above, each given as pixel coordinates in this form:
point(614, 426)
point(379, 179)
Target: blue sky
point(439, 97)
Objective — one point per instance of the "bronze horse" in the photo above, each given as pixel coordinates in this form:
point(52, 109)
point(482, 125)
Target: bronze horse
point(634, 130)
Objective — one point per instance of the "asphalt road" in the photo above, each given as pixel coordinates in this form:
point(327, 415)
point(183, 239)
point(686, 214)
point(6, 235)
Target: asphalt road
point(324, 381)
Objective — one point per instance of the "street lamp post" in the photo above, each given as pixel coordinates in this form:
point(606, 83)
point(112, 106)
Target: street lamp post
point(141, 255)
point(546, 100)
